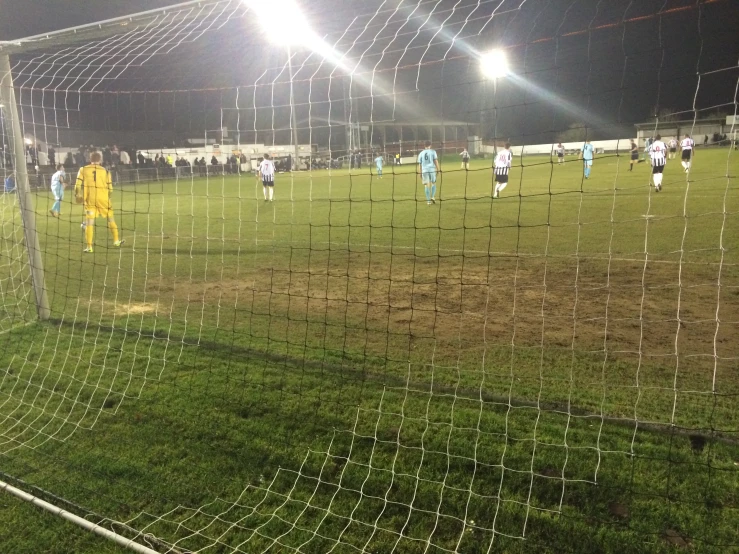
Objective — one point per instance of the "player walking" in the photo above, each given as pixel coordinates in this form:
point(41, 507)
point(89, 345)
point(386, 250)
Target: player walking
point(266, 173)
point(672, 144)
point(57, 189)
point(92, 189)
point(686, 147)
point(428, 165)
point(586, 153)
point(465, 159)
point(502, 166)
point(378, 164)
point(658, 154)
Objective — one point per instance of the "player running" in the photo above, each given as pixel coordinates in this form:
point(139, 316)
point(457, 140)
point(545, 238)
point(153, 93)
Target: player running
point(378, 165)
point(658, 154)
point(502, 166)
point(686, 147)
point(428, 166)
point(266, 173)
point(586, 154)
point(57, 189)
point(672, 144)
point(92, 189)
point(465, 159)
point(560, 150)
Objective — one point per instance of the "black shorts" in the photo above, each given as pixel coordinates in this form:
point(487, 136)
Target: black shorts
point(687, 154)
point(635, 155)
point(657, 169)
point(560, 155)
point(501, 178)
point(673, 150)
point(267, 183)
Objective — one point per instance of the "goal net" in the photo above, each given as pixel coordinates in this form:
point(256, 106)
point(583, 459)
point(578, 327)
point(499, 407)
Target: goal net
point(417, 276)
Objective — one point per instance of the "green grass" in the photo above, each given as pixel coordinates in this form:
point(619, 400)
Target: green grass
point(544, 364)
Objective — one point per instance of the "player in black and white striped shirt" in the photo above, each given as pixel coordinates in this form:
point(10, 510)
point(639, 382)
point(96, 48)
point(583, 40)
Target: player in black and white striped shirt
point(465, 159)
point(267, 174)
point(658, 154)
point(560, 153)
point(502, 165)
point(672, 145)
point(686, 146)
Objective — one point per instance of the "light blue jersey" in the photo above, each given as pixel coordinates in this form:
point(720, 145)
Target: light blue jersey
point(427, 158)
point(587, 158)
point(57, 189)
point(587, 151)
point(428, 168)
point(57, 186)
point(378, 163)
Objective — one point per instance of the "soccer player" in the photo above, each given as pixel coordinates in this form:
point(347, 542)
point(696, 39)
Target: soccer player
point(378, 164)
point(658, 154)
point(560, 153)
point(586, 154)
point(634, 155)
point(92, 189)
point(10, 183)
point(465, 159)
point(502, 165)
point(267, 174)
point(57, 189)
point(686, 147)
point(673, 147)
point(428, 166)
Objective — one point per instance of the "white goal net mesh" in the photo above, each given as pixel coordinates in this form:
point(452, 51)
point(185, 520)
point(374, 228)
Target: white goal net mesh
point(370, 352)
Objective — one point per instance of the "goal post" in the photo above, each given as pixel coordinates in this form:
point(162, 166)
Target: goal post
point(28, 213)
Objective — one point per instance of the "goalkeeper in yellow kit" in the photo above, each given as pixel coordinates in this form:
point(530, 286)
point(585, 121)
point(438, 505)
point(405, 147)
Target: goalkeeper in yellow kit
point(92, 189)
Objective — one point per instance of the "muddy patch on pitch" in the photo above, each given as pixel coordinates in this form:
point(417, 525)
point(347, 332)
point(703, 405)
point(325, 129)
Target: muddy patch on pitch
point(122, 309)
point(582, 305)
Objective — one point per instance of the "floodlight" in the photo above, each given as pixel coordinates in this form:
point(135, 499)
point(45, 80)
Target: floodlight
point(494, 64)
point(28, 141)
point(2, 105)
point(283, 22)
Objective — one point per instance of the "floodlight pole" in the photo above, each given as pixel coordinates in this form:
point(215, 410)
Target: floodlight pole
point(28, 215)
point(293, 118)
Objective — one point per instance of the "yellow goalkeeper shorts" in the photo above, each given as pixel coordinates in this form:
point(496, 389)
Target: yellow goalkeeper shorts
point(99, 210)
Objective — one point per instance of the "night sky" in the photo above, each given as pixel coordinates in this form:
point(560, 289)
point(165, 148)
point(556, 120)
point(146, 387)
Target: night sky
point(606, 64)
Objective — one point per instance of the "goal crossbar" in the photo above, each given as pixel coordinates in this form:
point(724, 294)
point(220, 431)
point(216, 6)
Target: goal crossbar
point(97, 30)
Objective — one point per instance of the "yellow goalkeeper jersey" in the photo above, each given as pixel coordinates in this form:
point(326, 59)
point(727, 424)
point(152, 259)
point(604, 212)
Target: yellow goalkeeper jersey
point(93, 186)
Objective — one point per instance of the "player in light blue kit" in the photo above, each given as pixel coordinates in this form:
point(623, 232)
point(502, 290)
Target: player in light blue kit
point(378, 163)
point(57, 189)
point(586, 153)
point(428, 165)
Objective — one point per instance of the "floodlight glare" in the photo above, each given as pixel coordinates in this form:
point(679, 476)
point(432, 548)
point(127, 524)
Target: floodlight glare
point(28, 141)
point(494, 64)
point(283, 22)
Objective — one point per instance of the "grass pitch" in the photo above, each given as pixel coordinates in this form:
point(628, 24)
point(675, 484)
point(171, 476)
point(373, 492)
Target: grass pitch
point(349, 368)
